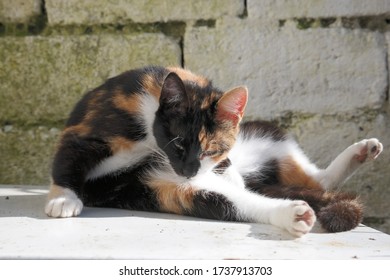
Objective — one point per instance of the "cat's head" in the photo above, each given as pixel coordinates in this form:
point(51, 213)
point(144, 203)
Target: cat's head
point(196, 125)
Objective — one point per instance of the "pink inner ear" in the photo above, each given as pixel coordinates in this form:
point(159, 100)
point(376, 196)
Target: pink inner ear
point(232, 105)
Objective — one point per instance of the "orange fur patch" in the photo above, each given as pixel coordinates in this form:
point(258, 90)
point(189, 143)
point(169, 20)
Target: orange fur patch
point(173, 199)
point(152, 86)
point(80, 129)
point(129, 104)
point(95, 99)
point(220, 141)
point(292, 174)
point(207, 102)
point(186, 75)
point(203, 139)
point(119, 143)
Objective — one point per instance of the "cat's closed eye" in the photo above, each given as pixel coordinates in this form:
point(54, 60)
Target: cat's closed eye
point(205, 154)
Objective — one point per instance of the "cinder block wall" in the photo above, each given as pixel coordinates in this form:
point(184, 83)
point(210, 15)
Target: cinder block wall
point(319, 68)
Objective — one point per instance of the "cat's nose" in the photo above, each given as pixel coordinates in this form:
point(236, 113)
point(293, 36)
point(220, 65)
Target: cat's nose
point(189, 170)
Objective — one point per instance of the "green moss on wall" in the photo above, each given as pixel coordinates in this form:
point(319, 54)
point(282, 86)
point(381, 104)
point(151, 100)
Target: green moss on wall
point(42, 77)
point(26, 153)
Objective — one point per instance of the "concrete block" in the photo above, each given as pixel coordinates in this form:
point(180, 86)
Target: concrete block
point(287, 9)
point(308, 71)
point(19, 11)
point(26, 154)
point(121, 11)
point(382, 224)
point(41, 78)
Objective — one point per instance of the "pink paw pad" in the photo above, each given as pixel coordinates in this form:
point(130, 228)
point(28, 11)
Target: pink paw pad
point(369, 150)
point(304, 218)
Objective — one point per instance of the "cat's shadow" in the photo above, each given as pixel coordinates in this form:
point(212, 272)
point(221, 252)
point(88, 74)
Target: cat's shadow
point(32, 206)
point(256, 231)
point(269, 232)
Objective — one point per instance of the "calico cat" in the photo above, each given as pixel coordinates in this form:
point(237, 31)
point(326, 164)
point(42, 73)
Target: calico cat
point(165, 139)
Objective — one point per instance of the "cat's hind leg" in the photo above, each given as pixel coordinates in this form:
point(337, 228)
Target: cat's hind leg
point(346, 163)
point(293, 177)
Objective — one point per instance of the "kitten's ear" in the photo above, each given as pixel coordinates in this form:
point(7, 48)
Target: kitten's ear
point(232, 104)
point(173, 92)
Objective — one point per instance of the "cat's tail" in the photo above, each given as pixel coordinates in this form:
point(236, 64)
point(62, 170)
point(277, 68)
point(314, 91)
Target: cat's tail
point(335, 211)
point(343, 212)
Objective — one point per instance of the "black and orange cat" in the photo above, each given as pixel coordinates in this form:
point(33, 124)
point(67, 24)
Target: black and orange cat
point(165, 139)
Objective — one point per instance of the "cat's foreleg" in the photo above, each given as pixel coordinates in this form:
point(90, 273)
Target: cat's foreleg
point(346, 163)
point(74, 159)
point(295, 216)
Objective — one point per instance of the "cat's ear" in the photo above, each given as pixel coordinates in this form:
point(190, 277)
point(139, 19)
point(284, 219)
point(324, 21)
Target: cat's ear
point(232, 104)
point(173, 92)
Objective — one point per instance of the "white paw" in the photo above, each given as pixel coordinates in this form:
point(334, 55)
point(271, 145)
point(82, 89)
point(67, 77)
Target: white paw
point(300, 218)
point(65, 205)
point(367, 150)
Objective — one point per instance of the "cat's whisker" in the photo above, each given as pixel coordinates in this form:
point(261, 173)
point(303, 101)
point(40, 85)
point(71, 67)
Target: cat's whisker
point(174, 139)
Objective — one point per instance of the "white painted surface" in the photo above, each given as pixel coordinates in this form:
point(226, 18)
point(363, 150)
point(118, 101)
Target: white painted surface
point(98, 233)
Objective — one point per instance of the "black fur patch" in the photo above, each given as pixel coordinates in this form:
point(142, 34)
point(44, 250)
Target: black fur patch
point(74, 160)
point(80, 110)
point(222, 166)
point(122, 189)
point(267, 176)
point(211, 205)
point(129, 82)
point(117, 122)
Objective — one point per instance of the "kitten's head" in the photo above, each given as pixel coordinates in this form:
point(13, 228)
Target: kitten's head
point(196, 125)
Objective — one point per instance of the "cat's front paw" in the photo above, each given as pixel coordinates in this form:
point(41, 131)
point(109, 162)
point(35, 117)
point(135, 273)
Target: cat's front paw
point(300, 218)
point(63, 207)
point(63, 204)
point(367, 150)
